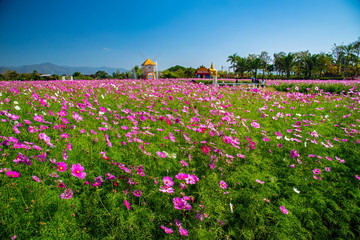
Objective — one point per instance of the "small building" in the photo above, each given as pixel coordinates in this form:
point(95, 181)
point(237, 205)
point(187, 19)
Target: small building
point(202, 72)
point(148, 69)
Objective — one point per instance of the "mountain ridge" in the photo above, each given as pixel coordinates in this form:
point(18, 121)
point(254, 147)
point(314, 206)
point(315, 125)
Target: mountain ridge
point(50, 68)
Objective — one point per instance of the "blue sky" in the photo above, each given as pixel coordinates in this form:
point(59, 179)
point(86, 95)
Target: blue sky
point(187, 32)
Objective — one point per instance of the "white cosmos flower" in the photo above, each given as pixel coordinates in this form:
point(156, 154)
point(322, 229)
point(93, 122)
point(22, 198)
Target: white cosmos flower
point(231, 208)
point(17, 107)
point(286, 138)
point(297, 191)
point(16, 103)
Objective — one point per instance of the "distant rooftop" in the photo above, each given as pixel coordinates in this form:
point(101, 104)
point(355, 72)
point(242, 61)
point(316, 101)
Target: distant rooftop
point(148, 62)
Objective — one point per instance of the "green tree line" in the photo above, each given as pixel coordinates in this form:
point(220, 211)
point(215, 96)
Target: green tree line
point(342, 62)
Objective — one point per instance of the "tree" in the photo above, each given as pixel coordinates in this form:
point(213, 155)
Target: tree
point(102, 75)
point(35, 75)
point(190, 72)
point(232, 60)
point(338, 55)
point(11, 75)
point(279, 62)
point(288, 63)
point(137, 72)
point(299, 58)
point(310, 64)
point(78, 75)
point(357, 52)
point(265, 60)
point(254, 63)
point(241, 65)
point(323, 62)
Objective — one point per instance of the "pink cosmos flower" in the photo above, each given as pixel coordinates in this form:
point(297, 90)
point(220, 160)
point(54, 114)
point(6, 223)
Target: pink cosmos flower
point(223, 184)
point(68, 193)
point(255, 125)
point(69, 146)
point(39, 118)
point(62, 166)
point(317, 171)
point(182, 176)
point(161, 154)
point(127, 204)
point(192, 179)
point(13, 174)
point(77, 171)
point(166, 189)
point(184, 163)
point(257, 180)
point(284, 210)
point(36, 179)
point(137, 193)
point(178, 203)
point(183, 231)
point(328, 169)
point(171, 136)
point(294, 154)
point(357, 177)
point(167, 230)
point(206, 149)
point(168, 181)
point(64, 135)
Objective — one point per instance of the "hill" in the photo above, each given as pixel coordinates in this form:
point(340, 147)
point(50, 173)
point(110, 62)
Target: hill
point(50, 68)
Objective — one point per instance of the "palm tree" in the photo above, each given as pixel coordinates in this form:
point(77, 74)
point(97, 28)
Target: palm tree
point(310, 64)
point(288, 62)
point(357, 51)
point(348, 51)
point(241, 65)
point(232, 60)
point(254, 63)
point(265, 60)
point(279, 62)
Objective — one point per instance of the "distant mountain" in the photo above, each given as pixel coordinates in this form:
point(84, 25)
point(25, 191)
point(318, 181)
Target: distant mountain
point(50, 68)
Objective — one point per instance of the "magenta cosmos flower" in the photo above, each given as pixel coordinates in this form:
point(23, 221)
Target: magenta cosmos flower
point(317, 171)
point(77, 171)
point(284, 210)
point(137, 193)
point(182, 176)
point(127, 204)
point(223, 184)
point(67, 194)
point(13, 174)
point(35, 178)
point(167, 230)
point(62, 166)
point(294, 154)
point(168, 181)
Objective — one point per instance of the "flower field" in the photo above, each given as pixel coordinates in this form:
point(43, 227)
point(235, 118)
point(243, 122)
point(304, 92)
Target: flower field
point(168, 159)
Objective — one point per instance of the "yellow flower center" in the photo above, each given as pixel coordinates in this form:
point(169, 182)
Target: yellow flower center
point(77, 171)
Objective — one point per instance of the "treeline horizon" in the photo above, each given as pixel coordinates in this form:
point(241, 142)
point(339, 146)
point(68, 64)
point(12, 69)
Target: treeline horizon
point(341, 63)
